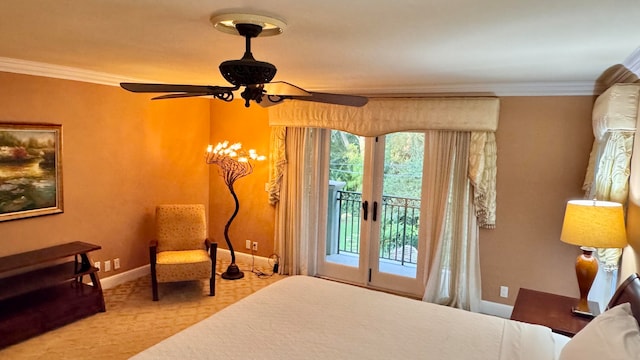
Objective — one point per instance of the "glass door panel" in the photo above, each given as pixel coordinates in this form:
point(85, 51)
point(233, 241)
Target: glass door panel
point(397, 262)
point(341, 257)
point(401, 193)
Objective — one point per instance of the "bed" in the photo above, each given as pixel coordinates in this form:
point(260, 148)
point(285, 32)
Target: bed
point(302, 317)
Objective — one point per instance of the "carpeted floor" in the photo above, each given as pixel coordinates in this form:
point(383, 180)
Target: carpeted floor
point(133, 322)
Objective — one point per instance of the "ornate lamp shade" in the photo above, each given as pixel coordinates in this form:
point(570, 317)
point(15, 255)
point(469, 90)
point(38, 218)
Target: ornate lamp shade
point(592, 224)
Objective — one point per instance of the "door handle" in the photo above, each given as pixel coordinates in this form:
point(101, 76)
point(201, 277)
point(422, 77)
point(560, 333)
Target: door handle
point(375, 211)
point(365, 208)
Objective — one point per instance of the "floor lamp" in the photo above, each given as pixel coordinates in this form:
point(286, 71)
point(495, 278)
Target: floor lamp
point(233, 163)
point(591, 224)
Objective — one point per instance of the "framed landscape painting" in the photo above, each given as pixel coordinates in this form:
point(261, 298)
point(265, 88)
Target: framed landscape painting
point(30, 170)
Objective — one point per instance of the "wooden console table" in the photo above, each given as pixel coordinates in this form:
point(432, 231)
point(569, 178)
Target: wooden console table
point(39, 291)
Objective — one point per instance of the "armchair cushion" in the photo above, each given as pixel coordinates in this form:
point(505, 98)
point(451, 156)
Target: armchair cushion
point(183, 265)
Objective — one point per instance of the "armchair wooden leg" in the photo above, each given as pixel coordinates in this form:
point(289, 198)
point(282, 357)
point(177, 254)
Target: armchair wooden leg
point(152, 263)
point(154, 287)
point(213, 253)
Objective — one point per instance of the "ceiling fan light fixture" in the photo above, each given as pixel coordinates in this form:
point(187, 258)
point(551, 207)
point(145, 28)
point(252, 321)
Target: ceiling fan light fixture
point(245, 72)
point(227, 23)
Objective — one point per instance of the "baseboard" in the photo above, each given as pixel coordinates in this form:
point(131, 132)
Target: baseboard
point(495, 309)
point(245, 259)
point(115, 280)
point(223, 254)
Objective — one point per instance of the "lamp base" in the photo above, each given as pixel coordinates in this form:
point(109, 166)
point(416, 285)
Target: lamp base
point(232, 273)
point(586, 270)
point(585, 314)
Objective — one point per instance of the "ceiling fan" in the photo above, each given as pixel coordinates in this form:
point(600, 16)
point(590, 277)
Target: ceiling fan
point(255, 76)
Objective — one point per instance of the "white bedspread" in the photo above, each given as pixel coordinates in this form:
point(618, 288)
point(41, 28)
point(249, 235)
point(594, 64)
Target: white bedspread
point(303, 317)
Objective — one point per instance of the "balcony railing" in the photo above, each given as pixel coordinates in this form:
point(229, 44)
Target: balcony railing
point(398, 217)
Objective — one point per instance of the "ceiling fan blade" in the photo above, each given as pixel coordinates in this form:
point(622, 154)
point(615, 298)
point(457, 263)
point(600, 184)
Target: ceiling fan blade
point(179, 95)
point(158, 88)
point(337, 99)
point(282, 88)
point(277, 91)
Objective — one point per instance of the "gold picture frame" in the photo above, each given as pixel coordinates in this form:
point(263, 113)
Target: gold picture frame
point(30, 170)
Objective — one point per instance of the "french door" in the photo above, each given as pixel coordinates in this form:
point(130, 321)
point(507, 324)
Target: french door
point(373, 210)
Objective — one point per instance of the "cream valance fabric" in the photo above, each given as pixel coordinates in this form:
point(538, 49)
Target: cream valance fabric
point(388, 115)
point(616, 109)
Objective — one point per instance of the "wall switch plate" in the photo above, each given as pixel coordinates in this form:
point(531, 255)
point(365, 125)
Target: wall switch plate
point(504, 291)
point(116, 263)
point(255, 246)
point(107, 265)
point(248, 245)
point(96, 265)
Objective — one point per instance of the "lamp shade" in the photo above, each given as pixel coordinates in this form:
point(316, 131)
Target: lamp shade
point(598, 224)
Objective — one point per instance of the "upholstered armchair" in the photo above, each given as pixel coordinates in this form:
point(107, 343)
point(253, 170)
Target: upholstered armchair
point(181, 250)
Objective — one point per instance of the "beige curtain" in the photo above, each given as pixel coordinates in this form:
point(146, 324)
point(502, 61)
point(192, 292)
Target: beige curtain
point(483, 154)
point(292, 237)
point(608, 178)
point(612, 177)
point(277, 162)
point(453, 276)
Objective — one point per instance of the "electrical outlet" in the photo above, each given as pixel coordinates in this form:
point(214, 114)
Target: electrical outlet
point(107, 265)
point(504, 291)
point(255, 246)
point(97, 264)
point(247, 245)
point(116, 263)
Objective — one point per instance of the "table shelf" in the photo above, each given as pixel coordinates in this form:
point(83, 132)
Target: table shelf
point(41, 278)
point(39, 292)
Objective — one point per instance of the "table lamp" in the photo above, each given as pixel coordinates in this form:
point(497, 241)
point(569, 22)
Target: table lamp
point(591, 224)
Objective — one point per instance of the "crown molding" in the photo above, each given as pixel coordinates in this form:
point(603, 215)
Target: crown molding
point(61, 72)
point(496, 89)
point(569, 88)
point(632, 62)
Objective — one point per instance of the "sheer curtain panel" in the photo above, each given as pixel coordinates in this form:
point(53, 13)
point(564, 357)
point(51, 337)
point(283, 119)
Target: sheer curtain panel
point(453, 278)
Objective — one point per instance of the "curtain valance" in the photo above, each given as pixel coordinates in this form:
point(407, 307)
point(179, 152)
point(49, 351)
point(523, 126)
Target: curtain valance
point(616, 109)
point(387, 115)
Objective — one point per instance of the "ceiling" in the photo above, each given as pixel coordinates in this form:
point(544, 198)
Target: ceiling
point(358, 46)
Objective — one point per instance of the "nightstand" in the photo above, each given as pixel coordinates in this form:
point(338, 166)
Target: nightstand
point(550, 310)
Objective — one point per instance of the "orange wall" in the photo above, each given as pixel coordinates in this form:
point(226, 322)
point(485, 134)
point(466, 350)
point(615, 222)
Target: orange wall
point(255, 219)
point(122, 155)
point(543, 151)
